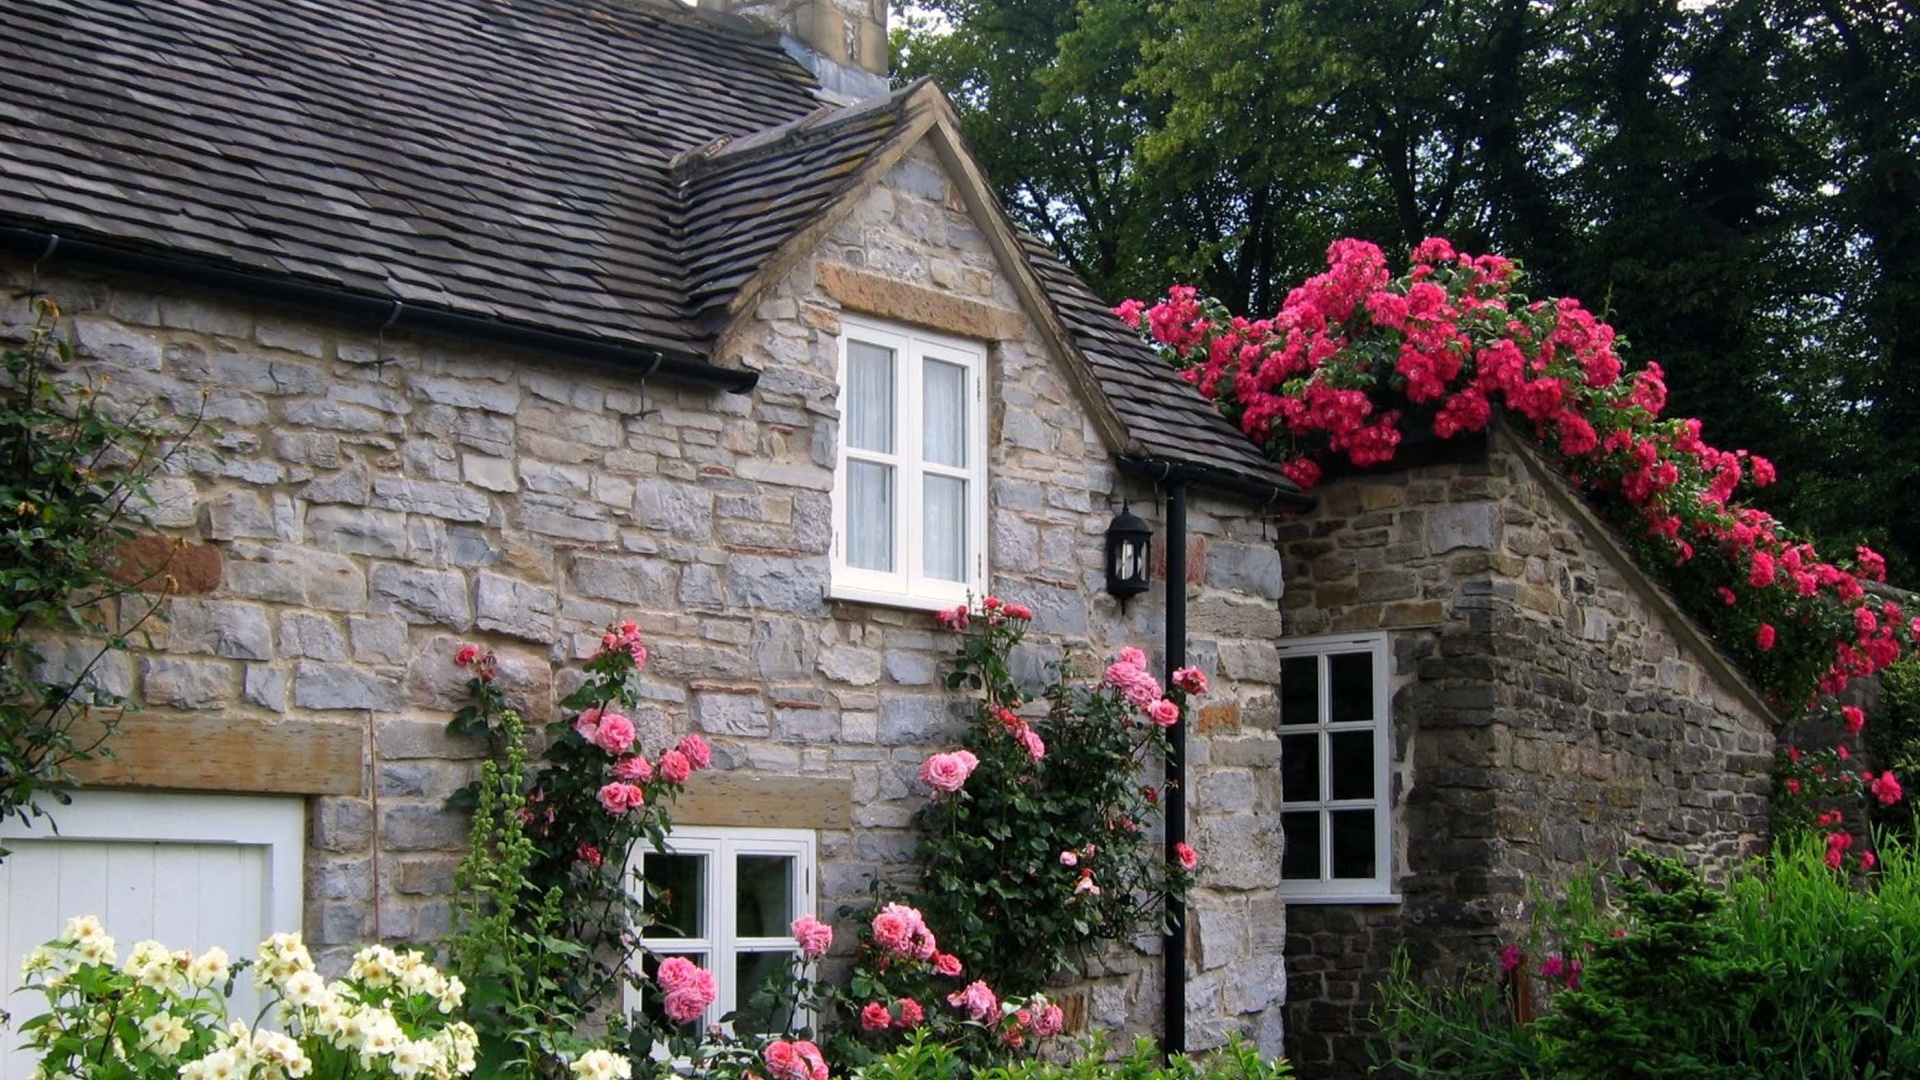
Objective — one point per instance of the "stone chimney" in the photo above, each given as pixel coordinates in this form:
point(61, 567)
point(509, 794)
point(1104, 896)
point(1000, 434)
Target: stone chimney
point(843, 42)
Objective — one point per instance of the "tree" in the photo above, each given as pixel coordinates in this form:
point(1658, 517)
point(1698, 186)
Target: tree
point(1749, 163)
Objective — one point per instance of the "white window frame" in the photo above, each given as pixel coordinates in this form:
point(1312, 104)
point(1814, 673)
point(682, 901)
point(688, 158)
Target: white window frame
point(907, 585)
point(1327, 889)
point(722, 945)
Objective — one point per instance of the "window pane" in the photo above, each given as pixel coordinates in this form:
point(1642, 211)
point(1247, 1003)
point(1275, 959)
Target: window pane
point(946, 514)
point(1300, 858)
point(870, 516)
point(752, 970)
point(1300, 768)
point(1300, 690)
point(944, 411)
point(763, 895)
point(1352, 843)
point(869, 416)
point(1352, 754)
point(678, 884)
point(1352, 677)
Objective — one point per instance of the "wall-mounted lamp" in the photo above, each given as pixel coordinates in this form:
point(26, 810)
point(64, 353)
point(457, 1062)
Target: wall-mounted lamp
point(1128, 542)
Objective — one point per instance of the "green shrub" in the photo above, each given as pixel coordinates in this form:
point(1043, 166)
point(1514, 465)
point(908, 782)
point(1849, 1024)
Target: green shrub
point(1893, 739)
point(923, 1058)
point(1790, 971)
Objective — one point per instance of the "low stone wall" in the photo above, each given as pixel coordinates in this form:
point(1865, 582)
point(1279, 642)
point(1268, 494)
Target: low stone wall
point(1551, 710)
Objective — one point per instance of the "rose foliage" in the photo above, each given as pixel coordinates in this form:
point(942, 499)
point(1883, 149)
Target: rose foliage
point(1357, 358)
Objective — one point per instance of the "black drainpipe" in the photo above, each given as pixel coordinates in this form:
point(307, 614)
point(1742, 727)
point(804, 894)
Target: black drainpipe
point(380, 312)
point(1175, 480)
point(1175, 1025)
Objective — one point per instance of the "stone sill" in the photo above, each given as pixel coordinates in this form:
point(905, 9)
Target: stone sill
point(881, 598)
point(1355, 900)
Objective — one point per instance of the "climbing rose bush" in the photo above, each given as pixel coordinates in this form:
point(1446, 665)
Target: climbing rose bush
point(1037, 832)
point(1357, 358)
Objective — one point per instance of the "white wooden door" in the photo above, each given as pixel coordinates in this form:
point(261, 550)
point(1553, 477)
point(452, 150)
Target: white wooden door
point(190, 871)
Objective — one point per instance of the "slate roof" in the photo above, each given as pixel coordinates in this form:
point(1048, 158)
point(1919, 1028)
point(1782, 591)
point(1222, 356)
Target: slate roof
point(611, 169)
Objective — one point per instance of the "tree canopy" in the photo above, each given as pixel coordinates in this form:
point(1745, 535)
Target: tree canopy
point(1747, 170)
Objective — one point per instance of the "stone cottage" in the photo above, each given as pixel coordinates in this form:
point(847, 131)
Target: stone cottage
point(517, 318)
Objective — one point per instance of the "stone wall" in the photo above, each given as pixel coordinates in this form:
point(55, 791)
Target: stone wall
point(369, 504)
point(1550, 710)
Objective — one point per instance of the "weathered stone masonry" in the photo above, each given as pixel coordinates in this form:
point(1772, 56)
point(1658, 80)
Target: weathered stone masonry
point(1550, 709)
point(369, 504)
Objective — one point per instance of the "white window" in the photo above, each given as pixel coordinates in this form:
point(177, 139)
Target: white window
point(910, 485)
point(191, 871)
point(1336, 810)
point(726, 900)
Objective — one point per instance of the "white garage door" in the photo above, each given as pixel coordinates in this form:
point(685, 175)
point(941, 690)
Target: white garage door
point(191, 871)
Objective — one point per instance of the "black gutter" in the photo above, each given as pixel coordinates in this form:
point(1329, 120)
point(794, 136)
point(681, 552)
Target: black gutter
point(378, 312)
point(1282, 496)
point(1174, 1040)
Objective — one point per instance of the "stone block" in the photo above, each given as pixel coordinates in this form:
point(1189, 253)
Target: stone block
point(235, 515)
point(917, 719)
point(450, 502)
point(188, 684)
point(117, 343)
point(626, 579)
point(422, 596)
point(265, 686)
point(1248, 569)
point(778, 584)
point(307, 635)
point(422, 828)
point(514, 607)
point(377, 640)
point(741, 713)
point(343, 825)
point(678, 510)
point(323, 686)
point(1462, 525)
point(355, 530)
point(226, 628)
point(467, 393)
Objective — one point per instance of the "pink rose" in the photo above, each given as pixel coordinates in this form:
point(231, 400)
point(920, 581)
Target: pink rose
point(587, 723)
point(977, 1001)
point(783, 1061)
point(796, 1060)
point(614, 734)
point(696, 750)
point(1019, 611)
point(1886, 788)
point(1030, 739)
point(814, 936)
point(875, 1017)
point(675, 767)
point(634, 770)
point(466, 655)
point(676, 973)
point(1164, 712)
point(902, 931)
point(1068, 858)
point(1764, 637)
point(619, 797)
point(1188, 857)
point(1191, 679)
point(948, 772)
point(956, 619)
point(946, 964)
point(1131, 657)
point(1854, 717)
point(911, 1014)
point(1049, 1021)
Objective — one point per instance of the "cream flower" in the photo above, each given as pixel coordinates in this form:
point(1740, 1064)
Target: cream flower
point(601, 1065)
point(210, 968)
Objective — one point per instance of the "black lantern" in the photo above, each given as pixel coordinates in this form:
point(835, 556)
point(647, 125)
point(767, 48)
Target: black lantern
point(1128, 542)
